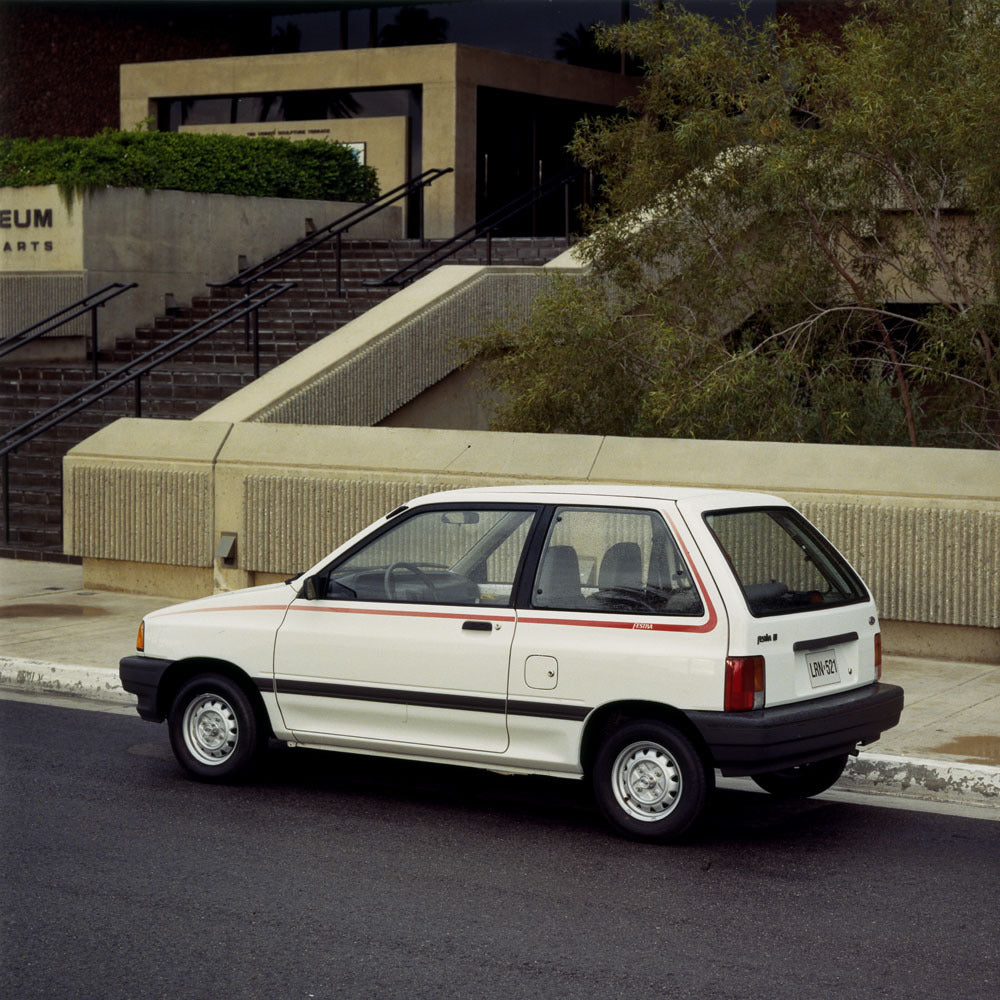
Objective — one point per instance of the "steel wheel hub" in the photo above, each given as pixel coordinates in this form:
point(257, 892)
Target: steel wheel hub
point(210, 729)
point(646, 781)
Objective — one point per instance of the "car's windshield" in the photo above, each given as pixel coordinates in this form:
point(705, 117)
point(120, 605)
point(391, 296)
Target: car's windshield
point(781, 562)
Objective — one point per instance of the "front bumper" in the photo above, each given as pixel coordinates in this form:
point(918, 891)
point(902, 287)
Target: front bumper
point(770, 739)
point(141, 676)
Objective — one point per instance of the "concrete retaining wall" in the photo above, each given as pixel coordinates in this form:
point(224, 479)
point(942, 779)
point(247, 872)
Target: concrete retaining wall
point(147, 500)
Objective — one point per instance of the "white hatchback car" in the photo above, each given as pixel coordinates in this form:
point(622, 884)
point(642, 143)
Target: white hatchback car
point(640, 637)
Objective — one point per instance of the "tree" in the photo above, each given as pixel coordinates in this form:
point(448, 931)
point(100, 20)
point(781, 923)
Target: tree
point(580, 47)
point(798, 238)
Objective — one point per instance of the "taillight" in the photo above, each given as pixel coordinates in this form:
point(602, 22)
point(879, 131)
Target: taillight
point(878, 656)
point(140, 639)
point(744, 683)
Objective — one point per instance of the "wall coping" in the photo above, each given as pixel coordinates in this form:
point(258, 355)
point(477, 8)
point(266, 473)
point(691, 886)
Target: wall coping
point(925, 474)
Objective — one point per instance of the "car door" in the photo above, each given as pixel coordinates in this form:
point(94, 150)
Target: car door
point(406, 639)
point(620, 609)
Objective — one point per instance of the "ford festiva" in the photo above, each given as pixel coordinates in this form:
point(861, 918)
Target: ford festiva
point(639, 637)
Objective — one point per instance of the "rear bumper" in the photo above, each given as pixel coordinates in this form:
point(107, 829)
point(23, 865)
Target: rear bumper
point(770, 739)
point(141, 675)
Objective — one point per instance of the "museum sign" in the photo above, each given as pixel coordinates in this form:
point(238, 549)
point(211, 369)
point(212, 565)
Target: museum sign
point(38, 231)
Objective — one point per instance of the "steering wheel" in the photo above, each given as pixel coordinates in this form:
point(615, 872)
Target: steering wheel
point(621, 595)
point(389, 583)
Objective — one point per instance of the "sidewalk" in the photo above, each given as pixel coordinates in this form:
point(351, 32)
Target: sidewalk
point(58, 638)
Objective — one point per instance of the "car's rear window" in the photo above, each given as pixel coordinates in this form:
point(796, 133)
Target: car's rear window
point(782, 563)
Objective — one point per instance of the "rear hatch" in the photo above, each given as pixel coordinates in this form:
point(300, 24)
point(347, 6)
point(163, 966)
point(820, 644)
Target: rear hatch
point(793, 600)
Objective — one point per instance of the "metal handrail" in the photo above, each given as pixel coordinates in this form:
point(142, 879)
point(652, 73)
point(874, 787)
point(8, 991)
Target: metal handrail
point(483, 227)
point(336, 229)
point(134, 370)
point(88, 303)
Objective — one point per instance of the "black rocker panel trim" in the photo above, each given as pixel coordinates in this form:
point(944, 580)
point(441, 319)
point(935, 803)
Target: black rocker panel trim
point(427, 699)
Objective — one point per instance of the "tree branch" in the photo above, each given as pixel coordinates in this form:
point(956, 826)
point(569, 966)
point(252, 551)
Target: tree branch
point(890, 348)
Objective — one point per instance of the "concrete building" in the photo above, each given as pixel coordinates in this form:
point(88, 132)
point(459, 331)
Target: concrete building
point(502, 121)
point(491, 88)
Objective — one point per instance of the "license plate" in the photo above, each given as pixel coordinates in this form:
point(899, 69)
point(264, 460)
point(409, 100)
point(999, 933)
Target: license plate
point(822, 668)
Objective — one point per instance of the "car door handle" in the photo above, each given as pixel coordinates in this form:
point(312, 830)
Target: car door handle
point(477, 626)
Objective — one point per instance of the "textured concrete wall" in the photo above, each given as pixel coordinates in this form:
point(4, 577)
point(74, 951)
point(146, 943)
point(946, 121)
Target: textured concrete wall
point(295, 470)
point(923, 527)
point(294, 520)
point(925, 561)
point(411, 355)
point(151, 515)
point(144, 501)
point(26, 299)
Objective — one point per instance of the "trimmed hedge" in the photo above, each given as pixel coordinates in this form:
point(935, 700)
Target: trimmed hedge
point(216, 164)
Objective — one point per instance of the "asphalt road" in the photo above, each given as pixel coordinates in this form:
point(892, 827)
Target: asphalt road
point(344, 876)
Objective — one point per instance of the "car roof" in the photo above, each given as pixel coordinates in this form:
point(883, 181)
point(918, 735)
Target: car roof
point(561, 492)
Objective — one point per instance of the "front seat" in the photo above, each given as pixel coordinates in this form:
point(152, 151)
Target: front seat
point(558, 584)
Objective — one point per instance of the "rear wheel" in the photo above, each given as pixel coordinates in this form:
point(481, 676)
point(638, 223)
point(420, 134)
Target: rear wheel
point(802, 781)
point(215, 732)
point(650, 781)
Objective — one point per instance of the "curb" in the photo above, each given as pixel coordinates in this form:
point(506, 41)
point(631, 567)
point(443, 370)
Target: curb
point(868, 773)
point(922, 778)
point(38, 677)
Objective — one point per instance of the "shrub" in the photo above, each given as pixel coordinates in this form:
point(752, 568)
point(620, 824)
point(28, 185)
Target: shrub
point(215, 164)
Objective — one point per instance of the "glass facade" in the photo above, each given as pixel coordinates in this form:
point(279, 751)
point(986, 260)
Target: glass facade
point(522, 27)
point(290, 106)
point(544, 29)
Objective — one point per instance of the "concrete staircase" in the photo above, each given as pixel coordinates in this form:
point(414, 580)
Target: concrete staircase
point(202, 376)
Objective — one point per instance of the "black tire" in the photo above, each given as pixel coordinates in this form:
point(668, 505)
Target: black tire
point(802, 781)
point(215, 731)
point(650, 781)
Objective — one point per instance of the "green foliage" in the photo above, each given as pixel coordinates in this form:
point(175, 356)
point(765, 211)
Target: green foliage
point(581, 364)
point(216, 164)
point(572, 367)
point(769, 199)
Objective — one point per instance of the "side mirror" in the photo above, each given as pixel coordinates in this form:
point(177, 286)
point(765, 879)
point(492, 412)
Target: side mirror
point(320, 588)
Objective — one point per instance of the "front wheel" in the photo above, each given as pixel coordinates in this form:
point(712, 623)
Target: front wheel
point(803, 781)
point(650, 781)
point(215, 732)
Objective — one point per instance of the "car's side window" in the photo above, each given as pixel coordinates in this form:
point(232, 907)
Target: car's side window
point(613, 560)
point(439, 556)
